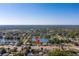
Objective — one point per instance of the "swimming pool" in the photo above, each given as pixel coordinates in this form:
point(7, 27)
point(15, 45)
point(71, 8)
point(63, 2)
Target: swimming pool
point(9, 41)
point(41, 40)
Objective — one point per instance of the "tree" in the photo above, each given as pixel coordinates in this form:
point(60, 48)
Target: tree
point(54, 41)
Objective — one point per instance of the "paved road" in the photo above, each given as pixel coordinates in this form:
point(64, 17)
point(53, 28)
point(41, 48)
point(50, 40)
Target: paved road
point(27, 39)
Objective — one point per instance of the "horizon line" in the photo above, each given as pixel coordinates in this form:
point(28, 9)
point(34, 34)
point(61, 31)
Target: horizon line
point(37, 24)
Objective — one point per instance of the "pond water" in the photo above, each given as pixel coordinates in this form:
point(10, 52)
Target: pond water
point(41, 40)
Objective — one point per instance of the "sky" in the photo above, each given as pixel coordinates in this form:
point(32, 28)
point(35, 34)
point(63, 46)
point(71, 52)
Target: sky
point(39, 14)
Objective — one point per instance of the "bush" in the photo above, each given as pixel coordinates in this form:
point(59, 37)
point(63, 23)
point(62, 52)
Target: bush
point(57, 52)
point(20, 43)
point(17, 54)
point(2, 50)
